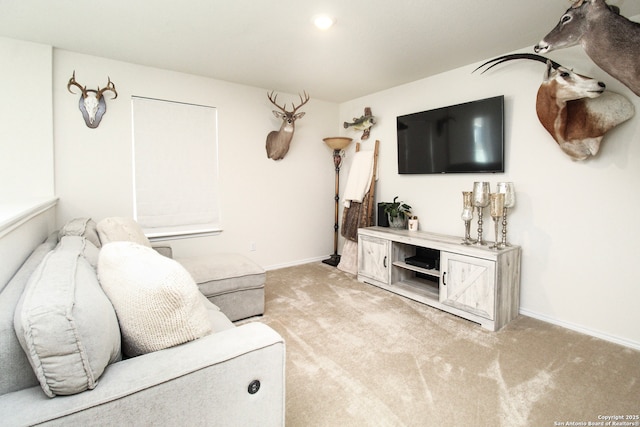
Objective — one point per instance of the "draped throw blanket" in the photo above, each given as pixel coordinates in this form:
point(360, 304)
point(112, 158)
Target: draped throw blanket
point(359, 180)
point(357, 195)
point(356, 216)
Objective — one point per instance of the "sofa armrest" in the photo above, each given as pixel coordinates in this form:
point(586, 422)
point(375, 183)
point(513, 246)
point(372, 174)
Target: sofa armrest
point(204, 382)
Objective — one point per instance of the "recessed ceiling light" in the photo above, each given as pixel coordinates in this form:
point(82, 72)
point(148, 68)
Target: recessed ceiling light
point(323, 22)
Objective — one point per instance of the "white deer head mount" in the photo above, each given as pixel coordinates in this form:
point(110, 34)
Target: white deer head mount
point(92, 103)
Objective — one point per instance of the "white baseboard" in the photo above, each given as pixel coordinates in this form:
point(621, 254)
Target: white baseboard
point(591, 332)
point(294, 263)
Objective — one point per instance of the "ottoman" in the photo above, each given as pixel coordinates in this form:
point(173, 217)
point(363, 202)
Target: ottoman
point(231, 281)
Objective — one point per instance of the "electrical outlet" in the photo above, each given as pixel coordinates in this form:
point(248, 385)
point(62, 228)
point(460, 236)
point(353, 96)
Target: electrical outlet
point(252, 246)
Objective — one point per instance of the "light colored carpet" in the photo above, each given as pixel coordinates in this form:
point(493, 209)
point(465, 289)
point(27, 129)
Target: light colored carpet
point(361, 356)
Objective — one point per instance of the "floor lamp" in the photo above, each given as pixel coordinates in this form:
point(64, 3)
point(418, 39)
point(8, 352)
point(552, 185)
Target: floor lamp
point(338, 144)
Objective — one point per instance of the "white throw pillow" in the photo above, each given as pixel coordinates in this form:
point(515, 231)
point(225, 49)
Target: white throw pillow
point(116, 229)
point(157, 302)
point(65, 323)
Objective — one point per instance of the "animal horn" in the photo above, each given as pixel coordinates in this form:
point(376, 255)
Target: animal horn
point(110, 86)
point(274, 100)
point(73, 82)
point(576, 4)
point(530, 56)
point(302, 102)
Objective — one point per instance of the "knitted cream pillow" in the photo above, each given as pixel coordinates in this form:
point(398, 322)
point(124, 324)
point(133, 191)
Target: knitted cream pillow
point(157, 302)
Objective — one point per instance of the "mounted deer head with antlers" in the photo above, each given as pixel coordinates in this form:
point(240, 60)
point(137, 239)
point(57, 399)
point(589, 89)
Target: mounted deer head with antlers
point(611, 40)
point(278, 141)
point(575, 109)
point(92, 103)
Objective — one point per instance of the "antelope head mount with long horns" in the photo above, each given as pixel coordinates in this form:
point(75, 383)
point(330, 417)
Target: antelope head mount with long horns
point(278, 141)
point(576, 110)
point(92, 103)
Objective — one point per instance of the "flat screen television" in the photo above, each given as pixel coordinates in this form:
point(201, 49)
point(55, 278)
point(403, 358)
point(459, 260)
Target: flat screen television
point(462, 138)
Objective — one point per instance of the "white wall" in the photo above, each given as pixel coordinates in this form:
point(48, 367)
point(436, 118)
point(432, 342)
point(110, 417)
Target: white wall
point(26, 128)
point(285, 207)
point(577, 223)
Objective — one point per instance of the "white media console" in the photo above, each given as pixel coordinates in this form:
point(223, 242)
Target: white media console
point(470, 281)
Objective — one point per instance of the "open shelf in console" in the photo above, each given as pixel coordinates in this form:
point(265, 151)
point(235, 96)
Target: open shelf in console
point(415, 270)
point(419, 286)
point(420, 270)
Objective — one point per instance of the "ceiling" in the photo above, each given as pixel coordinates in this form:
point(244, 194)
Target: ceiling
point(272, 44)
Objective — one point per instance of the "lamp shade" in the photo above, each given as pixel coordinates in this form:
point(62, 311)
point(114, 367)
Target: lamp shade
point(337, 142)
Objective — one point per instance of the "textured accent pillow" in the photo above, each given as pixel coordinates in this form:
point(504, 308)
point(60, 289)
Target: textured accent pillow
point(65, 323)
point(84, 227)
point(117, 229)
point(157, 302)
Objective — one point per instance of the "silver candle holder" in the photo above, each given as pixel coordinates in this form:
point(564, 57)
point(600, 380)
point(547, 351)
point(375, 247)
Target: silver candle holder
point(496, 209)
point(467, 216)
point(508, 189)
point(480, 201)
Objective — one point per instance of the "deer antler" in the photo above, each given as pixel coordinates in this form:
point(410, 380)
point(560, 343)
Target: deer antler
point(110, 86)
point(273, 100)
point(73, 82)
point(306, 96)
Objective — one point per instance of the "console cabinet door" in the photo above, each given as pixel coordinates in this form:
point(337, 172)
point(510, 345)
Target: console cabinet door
point(468, 283)
point(373, 258)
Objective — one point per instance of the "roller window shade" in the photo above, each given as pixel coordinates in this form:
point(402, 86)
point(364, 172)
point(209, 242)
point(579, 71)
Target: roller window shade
point(175, 167)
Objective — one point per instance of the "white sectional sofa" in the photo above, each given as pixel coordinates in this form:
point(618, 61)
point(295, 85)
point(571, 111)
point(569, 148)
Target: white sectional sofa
point(71, 352)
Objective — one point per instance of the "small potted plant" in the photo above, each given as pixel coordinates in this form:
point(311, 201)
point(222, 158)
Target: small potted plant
point(397, 213)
